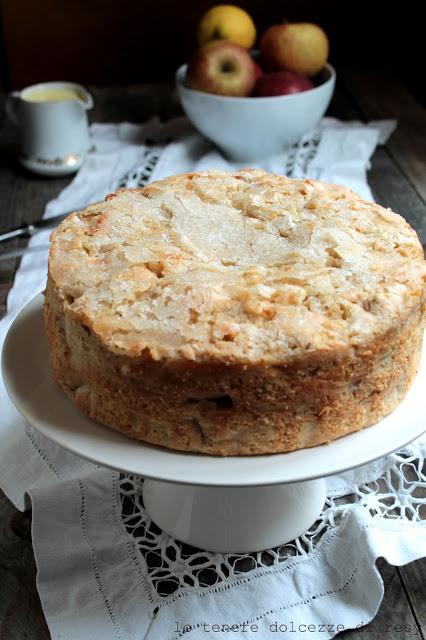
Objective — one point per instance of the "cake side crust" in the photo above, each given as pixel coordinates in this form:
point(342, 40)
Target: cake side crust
point(245, 410)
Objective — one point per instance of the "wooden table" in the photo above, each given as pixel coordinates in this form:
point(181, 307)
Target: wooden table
point(398, 180)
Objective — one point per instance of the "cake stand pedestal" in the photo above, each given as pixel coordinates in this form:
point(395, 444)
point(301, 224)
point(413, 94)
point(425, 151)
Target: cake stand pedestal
point(234, 504)
point(234, 519)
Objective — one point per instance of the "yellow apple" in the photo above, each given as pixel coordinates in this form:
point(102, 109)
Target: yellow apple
point(227, 22)
point(301, 47)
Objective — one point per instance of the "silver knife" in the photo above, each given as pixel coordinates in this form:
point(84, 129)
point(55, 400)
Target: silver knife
point(29, 229)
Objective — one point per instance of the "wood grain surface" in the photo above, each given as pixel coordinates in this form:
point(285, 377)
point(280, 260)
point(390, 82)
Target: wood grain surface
point(398, 180)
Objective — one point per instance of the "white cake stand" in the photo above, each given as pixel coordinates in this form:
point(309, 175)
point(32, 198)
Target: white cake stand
point(234, 504)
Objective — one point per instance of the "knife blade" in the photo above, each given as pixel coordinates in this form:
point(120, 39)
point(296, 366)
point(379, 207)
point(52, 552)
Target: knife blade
point(18, 253)
point(27, 230)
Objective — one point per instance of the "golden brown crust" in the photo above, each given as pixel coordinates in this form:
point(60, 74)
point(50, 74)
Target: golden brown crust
point(290, 314)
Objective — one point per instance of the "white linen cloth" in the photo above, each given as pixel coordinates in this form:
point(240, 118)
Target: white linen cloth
point(104, 570)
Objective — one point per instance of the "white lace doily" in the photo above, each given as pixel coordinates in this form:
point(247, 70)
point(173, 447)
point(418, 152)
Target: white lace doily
point(399, 493)
point(294, 164)
point(104, 569)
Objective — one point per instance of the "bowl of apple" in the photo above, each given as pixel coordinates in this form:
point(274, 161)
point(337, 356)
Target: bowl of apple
point(254, 105)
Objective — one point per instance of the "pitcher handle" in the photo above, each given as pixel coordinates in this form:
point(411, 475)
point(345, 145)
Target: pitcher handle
point(87, 103)
point(11, 106)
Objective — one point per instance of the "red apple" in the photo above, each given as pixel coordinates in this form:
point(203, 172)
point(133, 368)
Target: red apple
point(301, 47)
point(222, 67)
point(281, 83)
point(258, 71)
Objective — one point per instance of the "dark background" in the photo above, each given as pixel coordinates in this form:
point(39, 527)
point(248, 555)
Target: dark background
point(112, 42)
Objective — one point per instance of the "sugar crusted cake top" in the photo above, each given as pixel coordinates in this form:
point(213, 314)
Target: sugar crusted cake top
point(244, 267)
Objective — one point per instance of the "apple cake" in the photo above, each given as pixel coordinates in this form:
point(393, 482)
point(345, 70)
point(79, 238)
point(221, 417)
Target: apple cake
point(235, 314)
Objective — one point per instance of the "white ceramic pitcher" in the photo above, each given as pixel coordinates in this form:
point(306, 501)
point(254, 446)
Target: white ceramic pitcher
point(52, 117)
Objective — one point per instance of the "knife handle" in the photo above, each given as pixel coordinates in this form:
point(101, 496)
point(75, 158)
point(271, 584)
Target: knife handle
point(25, 231)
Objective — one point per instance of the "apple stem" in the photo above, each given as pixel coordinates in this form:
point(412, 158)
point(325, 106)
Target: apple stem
point(217, 34)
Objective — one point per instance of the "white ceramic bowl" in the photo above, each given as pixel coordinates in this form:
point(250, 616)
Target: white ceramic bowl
point(248, 129)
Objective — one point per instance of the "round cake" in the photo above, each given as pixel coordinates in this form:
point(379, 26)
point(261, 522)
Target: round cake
point(235, 314)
